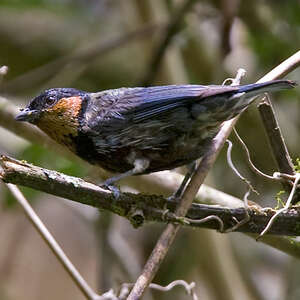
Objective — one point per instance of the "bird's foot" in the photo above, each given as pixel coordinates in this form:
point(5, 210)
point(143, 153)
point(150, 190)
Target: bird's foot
point(109, 185)
point(175, 197)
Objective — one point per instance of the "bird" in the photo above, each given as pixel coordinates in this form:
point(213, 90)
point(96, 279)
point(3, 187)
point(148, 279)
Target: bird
point(140, 130)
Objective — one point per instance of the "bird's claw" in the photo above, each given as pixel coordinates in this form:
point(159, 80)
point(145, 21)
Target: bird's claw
point(114, 189)
point(174, 197)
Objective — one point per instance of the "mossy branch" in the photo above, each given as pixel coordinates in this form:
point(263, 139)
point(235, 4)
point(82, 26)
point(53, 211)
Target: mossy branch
point(139, 208)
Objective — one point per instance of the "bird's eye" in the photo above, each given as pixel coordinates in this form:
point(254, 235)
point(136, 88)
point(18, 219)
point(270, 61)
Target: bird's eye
point(50, 101)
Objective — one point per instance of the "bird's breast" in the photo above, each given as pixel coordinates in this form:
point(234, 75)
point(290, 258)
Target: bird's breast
point(61, 121)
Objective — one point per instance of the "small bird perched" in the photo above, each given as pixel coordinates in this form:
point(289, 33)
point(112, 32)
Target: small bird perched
point(141, 130)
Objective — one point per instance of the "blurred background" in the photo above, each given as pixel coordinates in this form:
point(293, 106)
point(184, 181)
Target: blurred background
point(99, 44)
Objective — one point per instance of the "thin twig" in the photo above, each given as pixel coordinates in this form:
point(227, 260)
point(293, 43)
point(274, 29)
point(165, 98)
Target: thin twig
point(247, 217)
point(236, 81)
point(234, 169)
point(125, 289)
point(251, 164)
point(188, 287)
point(285, 208)
point(53, 245)
point(245, 198)
point(206, 219)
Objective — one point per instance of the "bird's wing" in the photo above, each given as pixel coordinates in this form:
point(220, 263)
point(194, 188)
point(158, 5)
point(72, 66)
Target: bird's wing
point(139, 104)
point(157, 101)
point(153, 102)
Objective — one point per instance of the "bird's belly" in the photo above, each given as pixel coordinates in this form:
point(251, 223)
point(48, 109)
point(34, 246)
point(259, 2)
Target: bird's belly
point(181, 151)
point(165, 153)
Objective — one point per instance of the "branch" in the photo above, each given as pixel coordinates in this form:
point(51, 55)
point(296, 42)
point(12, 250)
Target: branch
point(53, 245)
point(154, 206)
point(139, 208)
point(286, 67)
point(281, 154)
point(277, 144)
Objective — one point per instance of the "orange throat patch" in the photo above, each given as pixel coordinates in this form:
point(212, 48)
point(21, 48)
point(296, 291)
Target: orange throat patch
point(61, 122)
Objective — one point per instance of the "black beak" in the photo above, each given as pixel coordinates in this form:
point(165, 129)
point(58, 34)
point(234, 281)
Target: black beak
point(27, 115)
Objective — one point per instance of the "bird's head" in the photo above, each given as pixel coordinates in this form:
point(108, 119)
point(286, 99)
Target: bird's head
point(55, 111)
point(53, 102)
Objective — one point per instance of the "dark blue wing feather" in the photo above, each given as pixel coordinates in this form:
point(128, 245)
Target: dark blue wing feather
point(156, 101)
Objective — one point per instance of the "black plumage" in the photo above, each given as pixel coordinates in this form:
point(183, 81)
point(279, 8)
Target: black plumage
point(142, 130)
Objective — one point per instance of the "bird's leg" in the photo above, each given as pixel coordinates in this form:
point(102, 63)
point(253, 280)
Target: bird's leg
point(140, 165)
point(191, 169)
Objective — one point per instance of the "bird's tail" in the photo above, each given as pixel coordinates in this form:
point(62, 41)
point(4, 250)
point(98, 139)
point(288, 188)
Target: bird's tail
point(229, 107)
point(254, 89)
